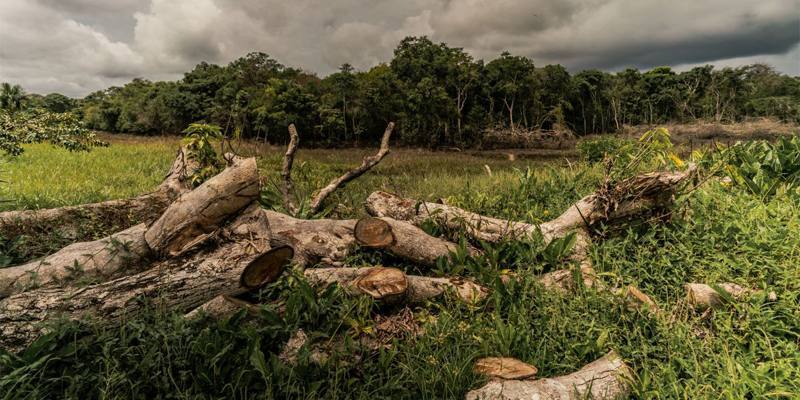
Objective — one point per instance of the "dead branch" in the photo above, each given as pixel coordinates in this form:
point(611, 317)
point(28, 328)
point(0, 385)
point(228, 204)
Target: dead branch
point(702, 296)
point(286, 172)
point(366, 165)
point(630, 198)
point(605, 378)
point(390, 285)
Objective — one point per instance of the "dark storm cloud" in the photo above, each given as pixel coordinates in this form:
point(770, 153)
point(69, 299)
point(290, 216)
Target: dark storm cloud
point(75, 46)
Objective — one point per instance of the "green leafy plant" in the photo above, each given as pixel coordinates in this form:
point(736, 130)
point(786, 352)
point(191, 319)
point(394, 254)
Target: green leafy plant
point(596, 150)
point(39, 126)
point(199, 142)
point(762, 167)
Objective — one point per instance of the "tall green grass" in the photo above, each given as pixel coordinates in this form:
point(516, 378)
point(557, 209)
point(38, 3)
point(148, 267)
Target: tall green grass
point(749, 349)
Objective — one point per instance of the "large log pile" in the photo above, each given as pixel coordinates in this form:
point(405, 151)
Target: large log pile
point(198, 249)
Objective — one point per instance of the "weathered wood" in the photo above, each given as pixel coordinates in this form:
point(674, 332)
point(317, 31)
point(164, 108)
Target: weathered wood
point(404, 240)
point(196, 215)
point(178, 284)
point(104, 258)
point(702, 296)
point(70, 222)
point(563, 280)
point(504, 368)
point(631, 197)
point(605, 378)
point(315, 241)
point(287, 189)
point(366, 165)
point(389, 286)
point(329, 242)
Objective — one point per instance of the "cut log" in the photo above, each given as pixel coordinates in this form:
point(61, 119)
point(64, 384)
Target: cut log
point(404, 240)
point(702, 296)
point(230, 267)
point(366, 165)
point(388, 284)
point(195, 215)
point(628, 199)
point(104, 258)
point(71, 222)
point(315, 241)
point(504, 368)
point(329, 242)
point(605, 378)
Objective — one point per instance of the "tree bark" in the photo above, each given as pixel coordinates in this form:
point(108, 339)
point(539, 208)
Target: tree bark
point(220, 308)
point(196, 215)
point(71, 222)
point(103, 258)
point(241, 261)
point(630, 198)
point(391, 285)
point(605, 378)
point(329, 241)
point(404, 240)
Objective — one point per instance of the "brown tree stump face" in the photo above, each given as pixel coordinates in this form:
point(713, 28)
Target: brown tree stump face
point(267, 267)
point(374, 232)
point(385, 284)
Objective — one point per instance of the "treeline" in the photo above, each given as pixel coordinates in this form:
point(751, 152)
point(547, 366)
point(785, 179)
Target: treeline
point(438, 95)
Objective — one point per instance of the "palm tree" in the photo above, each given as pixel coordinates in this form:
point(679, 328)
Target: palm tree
point(11, 96)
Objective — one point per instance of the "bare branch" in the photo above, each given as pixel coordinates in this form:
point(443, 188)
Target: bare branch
point(366, 165)
point(288, 159)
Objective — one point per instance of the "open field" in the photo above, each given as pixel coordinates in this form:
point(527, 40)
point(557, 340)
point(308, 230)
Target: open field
point(719, 233)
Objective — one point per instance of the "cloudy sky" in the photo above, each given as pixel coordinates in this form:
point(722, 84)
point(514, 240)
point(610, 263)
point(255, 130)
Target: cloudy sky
point(77, 46)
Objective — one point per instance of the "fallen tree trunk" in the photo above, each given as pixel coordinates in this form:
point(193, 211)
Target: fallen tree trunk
point(404, 240)
point(71, 222)
point(605, 378)
point(101, 258)
point(241, 261)
point(631, 197)
point(390, 285)
point(196, 215)
point(329, 241)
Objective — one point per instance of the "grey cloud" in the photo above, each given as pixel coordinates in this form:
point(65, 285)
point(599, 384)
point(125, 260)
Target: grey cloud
point(76, 46)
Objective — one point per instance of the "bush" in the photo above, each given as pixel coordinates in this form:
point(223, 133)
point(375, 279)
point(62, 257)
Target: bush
point(762, 167)
point(594, 150)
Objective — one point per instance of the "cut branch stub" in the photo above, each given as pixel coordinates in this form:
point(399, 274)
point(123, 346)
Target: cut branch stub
point(374, 232)
point(386, 284)
point(605, 378)
point(194, 216)
point(504, 368)
point(266, 268)
point(221, 307)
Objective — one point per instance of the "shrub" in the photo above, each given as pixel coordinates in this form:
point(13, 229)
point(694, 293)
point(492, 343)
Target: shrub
point(762, 167)
point(595, 150)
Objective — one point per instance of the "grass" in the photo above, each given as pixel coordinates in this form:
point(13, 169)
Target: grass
point(749, 349)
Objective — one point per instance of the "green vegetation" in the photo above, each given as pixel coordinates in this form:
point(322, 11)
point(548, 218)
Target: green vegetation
point(438, 95)
point(719, 233)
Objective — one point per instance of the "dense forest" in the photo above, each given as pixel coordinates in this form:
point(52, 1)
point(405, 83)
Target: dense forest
point(439, 96)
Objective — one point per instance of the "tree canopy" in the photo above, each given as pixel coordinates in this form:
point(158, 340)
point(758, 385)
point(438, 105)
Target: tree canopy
point(439, 95)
